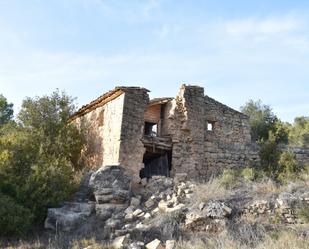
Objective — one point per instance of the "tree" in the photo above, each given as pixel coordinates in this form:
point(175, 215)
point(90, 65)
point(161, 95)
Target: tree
point(48, 117)
point(6, 110)
point(263, 122)
point(262, 119)
point(299, 132)
point(38, 158)
point(268, 131)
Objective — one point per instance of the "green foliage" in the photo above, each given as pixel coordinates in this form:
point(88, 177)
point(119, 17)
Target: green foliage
point(228, 179)
point(269, 155)
point(281, 132)
point(38, 154)
point(262, 119)
point(48, 117)
point(299, 132)
point(249, 174)
point(288, 163)
point(6, 110)
point(14, 218)
point(303, 213)
point(270, 132)
point(289, 167)
point(264, 122)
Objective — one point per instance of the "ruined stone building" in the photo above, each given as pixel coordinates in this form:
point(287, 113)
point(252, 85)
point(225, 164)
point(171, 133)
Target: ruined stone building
point(190, 134)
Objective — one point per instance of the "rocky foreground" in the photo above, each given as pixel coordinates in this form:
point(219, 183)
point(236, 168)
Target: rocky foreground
point(162, 211)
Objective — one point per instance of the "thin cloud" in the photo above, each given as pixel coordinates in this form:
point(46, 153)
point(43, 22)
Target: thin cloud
point(261, 27)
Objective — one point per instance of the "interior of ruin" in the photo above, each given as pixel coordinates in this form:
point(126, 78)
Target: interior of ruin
point(157, 158)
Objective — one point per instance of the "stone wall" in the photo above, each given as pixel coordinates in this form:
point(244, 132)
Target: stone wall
point(101, 128)
point(132, 130)
point(228, 144)
point(184, 122)
point(199, 152)
point(115, 130)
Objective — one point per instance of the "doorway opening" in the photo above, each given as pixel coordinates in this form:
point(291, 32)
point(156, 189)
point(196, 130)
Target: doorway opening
point(158, 163)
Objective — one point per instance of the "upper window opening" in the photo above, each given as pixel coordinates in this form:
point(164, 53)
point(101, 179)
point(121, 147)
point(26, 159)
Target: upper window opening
point(151, 129)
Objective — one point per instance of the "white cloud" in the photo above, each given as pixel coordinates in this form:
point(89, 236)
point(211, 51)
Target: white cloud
point(263, 26)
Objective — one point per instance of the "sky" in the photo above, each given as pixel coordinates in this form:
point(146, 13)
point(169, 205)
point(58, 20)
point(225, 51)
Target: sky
point(237, 50)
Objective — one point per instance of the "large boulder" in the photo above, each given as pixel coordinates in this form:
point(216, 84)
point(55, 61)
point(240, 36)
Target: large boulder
point(106, 210)
point(68, 217)
point(110, 184)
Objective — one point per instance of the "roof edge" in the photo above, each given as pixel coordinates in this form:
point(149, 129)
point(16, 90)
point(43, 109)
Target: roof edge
point(104, 99)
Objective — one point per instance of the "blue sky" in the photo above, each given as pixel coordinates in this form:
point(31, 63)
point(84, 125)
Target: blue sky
point(237, 50)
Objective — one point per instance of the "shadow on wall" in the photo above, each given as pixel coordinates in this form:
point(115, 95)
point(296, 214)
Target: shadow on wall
point(92, 152)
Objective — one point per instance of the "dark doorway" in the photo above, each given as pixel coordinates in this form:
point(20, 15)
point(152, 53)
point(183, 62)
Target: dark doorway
point(156, 164)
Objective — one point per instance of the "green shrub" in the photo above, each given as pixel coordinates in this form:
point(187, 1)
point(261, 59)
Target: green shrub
point(269, 155)
point(248, 174)
point(229, 179)
point(39, 155)
point(288, 163)
point(289, 168)
point(303, 213)
point(14, 218)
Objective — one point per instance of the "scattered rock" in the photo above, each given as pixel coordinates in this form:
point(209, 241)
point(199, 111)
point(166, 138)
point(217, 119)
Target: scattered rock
point(286, 200)
point(120, 242)
point(138, 213)
point(155, 244)
point(135, 202)
point(170, 244)
point(68, 217)
point(218, 210)
point(137, 245)
point(105, 211)
point(150, 203)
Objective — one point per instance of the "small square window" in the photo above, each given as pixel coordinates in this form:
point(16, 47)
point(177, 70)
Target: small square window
point(210, 126)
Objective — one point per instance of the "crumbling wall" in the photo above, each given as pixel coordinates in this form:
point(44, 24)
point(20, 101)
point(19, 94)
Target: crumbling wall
point(228, 144)
point(200, 152)
point(185, 116)
point(101, 128)
point(132, 130)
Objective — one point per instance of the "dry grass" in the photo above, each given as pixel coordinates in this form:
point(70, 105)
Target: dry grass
point(266, 186)
point(91, 243)
point(211, 190)
point(56, 243)
point(285, 240)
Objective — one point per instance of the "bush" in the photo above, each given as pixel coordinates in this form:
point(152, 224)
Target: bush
point(39, 155)
point(288, 163)
point(289, 167)
point(229, 179)
point(248, 174)
point(14, 218)
point(303, 213)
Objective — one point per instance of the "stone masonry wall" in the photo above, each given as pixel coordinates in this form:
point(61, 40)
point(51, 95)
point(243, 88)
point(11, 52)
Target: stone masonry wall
point(228, 145)
point(102, 128)
point(198, 152)
point(132, 130)
point(184, 121)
